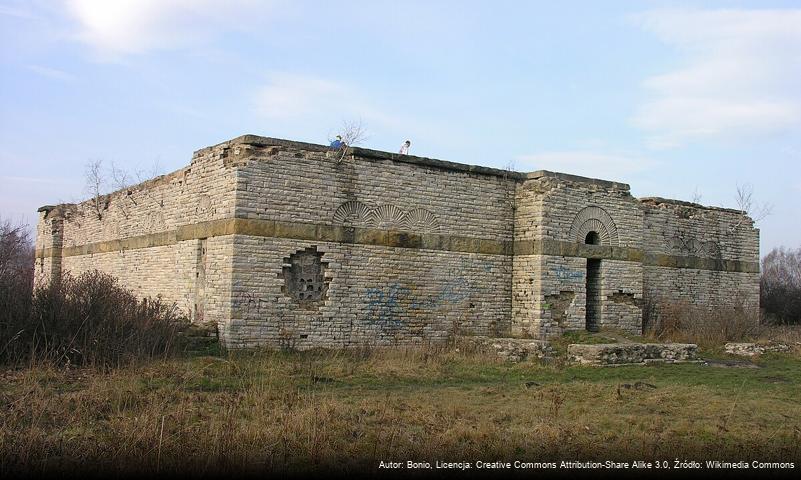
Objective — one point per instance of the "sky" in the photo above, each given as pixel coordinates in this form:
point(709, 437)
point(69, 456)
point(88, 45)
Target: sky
point(685, 100)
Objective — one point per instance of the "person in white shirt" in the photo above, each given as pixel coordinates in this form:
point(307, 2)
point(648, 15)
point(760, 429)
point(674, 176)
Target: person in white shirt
point(405, 147)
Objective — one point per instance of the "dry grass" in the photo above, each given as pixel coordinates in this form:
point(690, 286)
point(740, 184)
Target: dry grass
point(348, 410)
point(708, 327)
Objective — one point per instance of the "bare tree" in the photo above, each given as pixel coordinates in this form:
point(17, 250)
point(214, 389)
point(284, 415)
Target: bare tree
point(16, 250)
point(352, 133)
point(99, 180)
point(780, 282)
point(750, 207)
point(120, 178)
point(96, 185)
point(696, 196)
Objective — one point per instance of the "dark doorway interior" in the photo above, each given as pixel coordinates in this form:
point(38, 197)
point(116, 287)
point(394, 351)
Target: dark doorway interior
point(593, 294)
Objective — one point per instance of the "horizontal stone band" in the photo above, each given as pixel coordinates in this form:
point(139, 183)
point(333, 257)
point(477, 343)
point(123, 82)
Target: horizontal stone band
point(398, 239)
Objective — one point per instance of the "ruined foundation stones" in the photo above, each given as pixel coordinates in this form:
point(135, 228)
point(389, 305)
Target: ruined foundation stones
point(632, 353)
point(281, 243)
point(508, 349)
point(753, 349)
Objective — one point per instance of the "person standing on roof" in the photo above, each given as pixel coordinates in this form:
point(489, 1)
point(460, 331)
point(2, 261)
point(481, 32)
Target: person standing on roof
point(404, 150)
point(337, 143)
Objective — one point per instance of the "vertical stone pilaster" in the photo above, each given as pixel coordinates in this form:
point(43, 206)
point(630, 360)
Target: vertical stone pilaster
point(49, 244)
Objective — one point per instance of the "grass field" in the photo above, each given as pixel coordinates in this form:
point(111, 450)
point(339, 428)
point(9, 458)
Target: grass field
point(351, 410)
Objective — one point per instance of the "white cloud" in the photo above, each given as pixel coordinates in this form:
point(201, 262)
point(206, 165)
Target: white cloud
point(120, 27)
point(288, 96)
point(587, 164)
point(739, 75)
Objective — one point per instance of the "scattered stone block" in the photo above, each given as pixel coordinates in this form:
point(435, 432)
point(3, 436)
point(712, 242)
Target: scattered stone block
point(508, 349)
point(632, 353)
point(745, 349)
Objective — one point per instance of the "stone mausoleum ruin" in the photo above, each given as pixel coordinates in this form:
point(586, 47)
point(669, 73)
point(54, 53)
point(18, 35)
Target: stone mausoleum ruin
point(287, 243)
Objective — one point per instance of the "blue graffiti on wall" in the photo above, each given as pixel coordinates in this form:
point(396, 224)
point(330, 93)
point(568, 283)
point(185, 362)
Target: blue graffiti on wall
point(388, 306)
point(566, 273)
point(384, 304)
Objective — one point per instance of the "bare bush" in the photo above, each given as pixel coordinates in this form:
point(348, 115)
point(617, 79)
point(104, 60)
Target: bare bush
point(86, 320)
point(99, 181)
point(749, 206)
point(96, 186)
point(16, 251)
point(352, 134)
point(706, 326)
point(16, 278)
point(780, 286)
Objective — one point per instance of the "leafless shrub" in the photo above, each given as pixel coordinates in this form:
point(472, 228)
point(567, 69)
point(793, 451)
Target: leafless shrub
point(96, 186)
point(780, 286)
point(353, 133)
point(16, 279)
point(101, 180)
point(749, 206)
point(16, 251)
point(86, 320)
point(679, 321)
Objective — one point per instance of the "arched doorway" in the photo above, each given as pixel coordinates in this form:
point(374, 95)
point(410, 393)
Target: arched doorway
point(593, 284)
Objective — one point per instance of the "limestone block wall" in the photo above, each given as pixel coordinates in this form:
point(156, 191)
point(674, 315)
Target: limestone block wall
point(294, 182)
point(171, 272)
point(622, 294)
point(294, 244)
point(376, 295)
point(700, 256)
point(554, 213)
point(413, 250)
point(572, 205)
point(673, 227)
point(49, 240)
point(146, 236)
point(197, 193)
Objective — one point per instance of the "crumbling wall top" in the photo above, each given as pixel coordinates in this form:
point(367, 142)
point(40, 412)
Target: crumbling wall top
point(671, 203)
point(577, 178)
point(258, 141)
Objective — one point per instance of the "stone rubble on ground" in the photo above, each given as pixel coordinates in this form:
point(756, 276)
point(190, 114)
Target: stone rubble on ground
point(632, 353)
point(752, 349)
point(509, 349)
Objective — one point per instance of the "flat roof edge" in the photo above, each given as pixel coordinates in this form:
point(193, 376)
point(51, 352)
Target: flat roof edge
point(378, 155)
point(577, 178)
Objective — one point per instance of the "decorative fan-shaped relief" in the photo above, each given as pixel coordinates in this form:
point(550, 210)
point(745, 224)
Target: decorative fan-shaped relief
point(353, 213)
point(420, 220)
point(685, 244)
point(594, 219)
point(387, 216)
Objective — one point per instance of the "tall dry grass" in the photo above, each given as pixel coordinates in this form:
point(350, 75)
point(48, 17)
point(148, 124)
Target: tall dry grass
point(343, 412)
point(683, 322)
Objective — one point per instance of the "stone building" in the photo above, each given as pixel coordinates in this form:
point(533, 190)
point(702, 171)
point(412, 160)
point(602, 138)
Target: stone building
point(289, 243)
